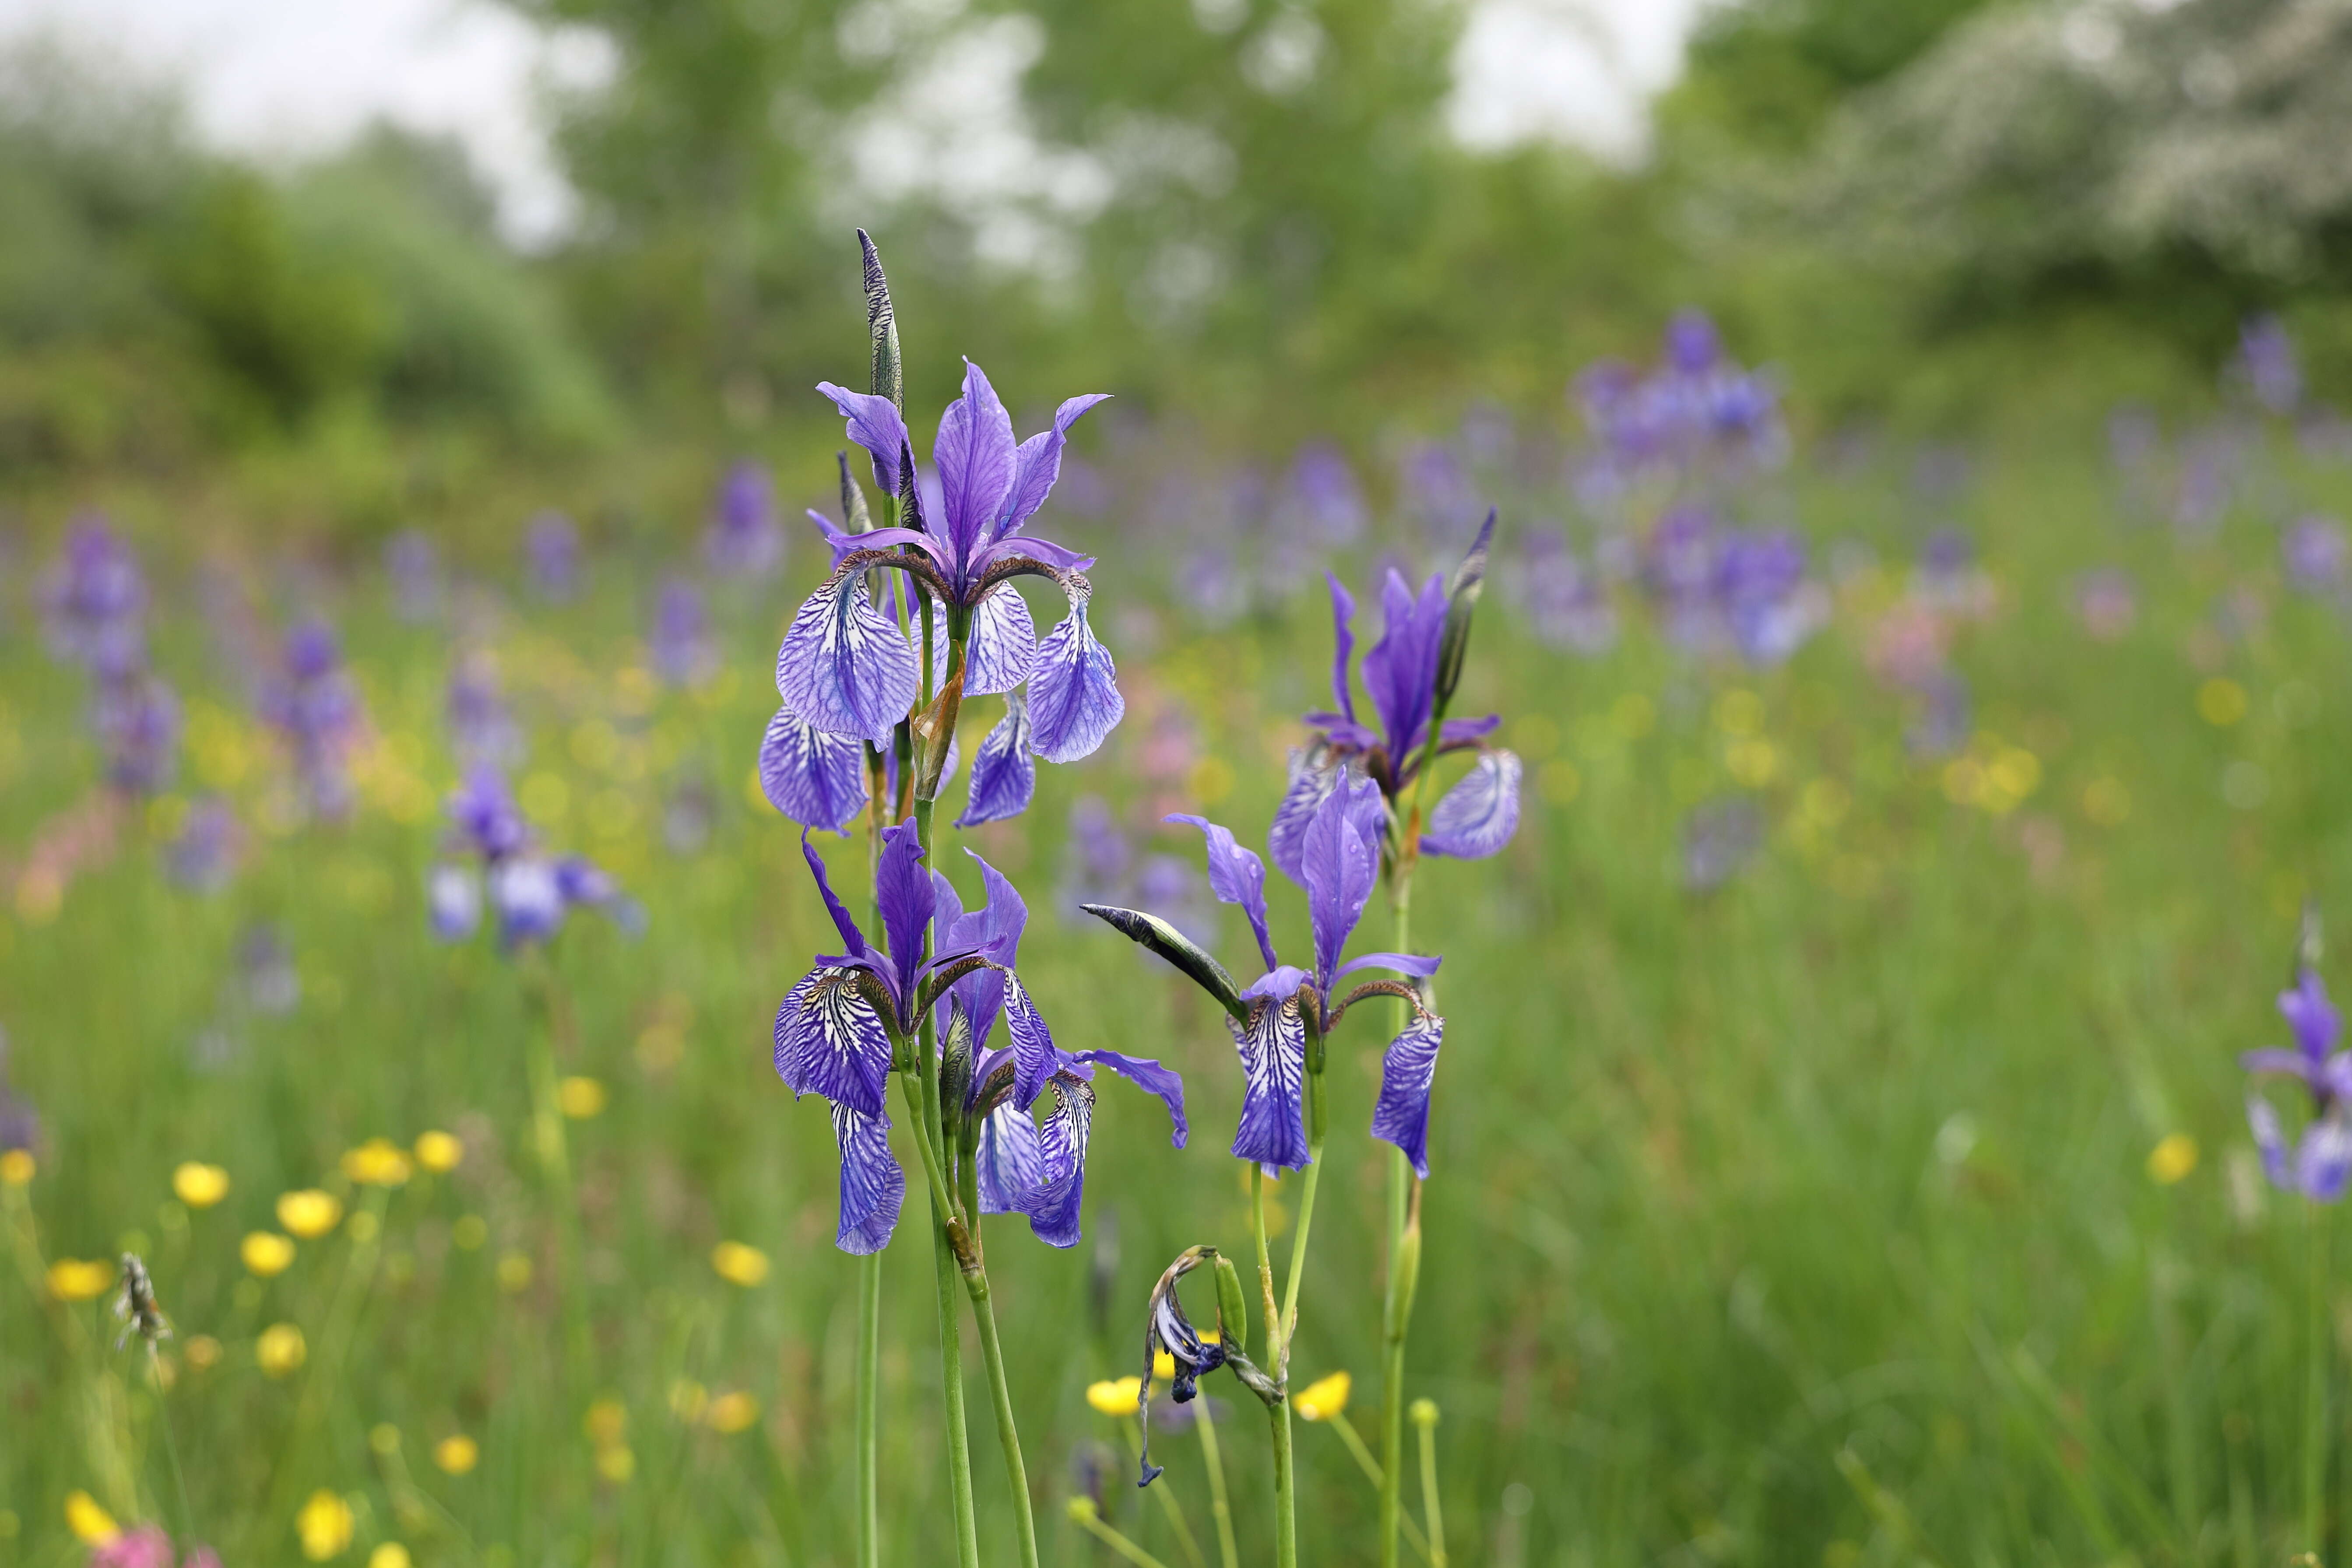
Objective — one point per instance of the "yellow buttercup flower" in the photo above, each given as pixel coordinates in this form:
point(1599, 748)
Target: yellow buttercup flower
point(731, 1413)
point(280, 1349)
point(309, 1213)
point(91, 1524)
point(203, 1351)
point(456, 1454)
point(17, 1167)
point(77, 1279)
point(391, 1554)
point(1163, 1367)
point(199, 1185)
point(514, 1272)
point(265, 1253)
point(439, 1151)
point(2172, 1159)
point(378, 1163)
point(1323, 1398)
point(581, 1098)
point(616, 1464)
point(1116, 1397)
point(607, 1422)
point(738, 1264)
point(325, 1526)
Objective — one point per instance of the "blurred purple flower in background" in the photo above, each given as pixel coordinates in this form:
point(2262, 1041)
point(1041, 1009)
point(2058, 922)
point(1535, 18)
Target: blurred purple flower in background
point(1697, 414)
point(481, 729)
point(414, 562)
point(20, 1124)
point(94, 602)
point(1567, 603)
point(2106, 603)
point(680, 644)
point(530, 892)
point(315, 709)
point(746, 537)
point(2316, 551)
point(1321, 504)
point(551, 545)
point(272, 985)
point(2267, 364)
point(204, 855)
point(2321, 1158)
point(137, 719)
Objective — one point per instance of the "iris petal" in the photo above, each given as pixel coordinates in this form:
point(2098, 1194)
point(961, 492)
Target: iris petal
point(1073, 699)
point(1408, 1068)
point(1237, 875)
point(973, 458)
point(830, 1041)
point(844, 667)
point(1478, 816)
point(874, 424)
point(1313, 774)
point(1003, 645)
point(1035, 1056)
point(1052, 1204)
point(1004, 773)
point(817, 780)
point(873, 1187)
point(1273, 1049)
point(1039, 463)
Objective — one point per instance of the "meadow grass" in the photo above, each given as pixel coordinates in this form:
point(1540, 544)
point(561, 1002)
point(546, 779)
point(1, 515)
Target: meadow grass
point(1808, 1221)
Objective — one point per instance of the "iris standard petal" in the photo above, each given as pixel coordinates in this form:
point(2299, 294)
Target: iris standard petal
point(1003, 772)
point(1152, 1078)
point(1237, 875)
point(1038, 464)
point(817, 780)
point(2310, 1014)
point(874, 424)
point(1273, 1049)
point(1478, 816)
point(873, 1187)
point(844, 667)
point(1408, 1068)
point(1339, 865)
point(1314, 772)
point(1003, 645)
point(1343, 646)
point(1052, 1204)
point(1400, 671)
point(973, 459)
point(902, 891)
point(1419, 965)
point(1074, 700)
point(830, 1041)
point(851, 937)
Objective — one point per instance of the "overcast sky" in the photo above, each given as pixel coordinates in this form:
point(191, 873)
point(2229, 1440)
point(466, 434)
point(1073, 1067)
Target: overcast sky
point(281, 79)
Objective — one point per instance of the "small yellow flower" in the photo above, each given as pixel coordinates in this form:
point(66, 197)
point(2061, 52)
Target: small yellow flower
point(514, 1272)
point(1116, 1397)
point(2172, 1159)
point(1323, 1398)
point(265, 1253)
point(607, 1422)
point(199, 1185)
point(75, 1279)
point(378, 1163)
point(456, 1454)
point(1163, 1367)
point(91, 1524)
point(581, 1098)
point(17, 1167)
point(325, 1526)
point(1424, 1412)
point(616, 1464)
point(733, 1412)
point(391, 1554)
point(738, 1264)
point(439, 1151)
point(280, 1349)
point(203, 1351)
point(310, 1214)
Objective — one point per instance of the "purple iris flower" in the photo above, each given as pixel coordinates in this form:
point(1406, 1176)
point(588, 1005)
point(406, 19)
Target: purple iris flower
point(137, 718)
point(681, 645)
point(550, 547)
point(2317, 552)
point(204, 855)
point(315, 709)
point(93, 600)
point(1270, 1019)
point(1567, 602)
point(2267, 362)
point(848, 673)
point(2321, 1158)
point(1402, 675)
point(482, 731)
point(530, 892)
point(746, 539)
point(1322, 502)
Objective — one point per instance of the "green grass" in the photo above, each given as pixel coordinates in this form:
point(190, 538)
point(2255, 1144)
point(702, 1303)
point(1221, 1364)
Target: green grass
point(1807, 1222)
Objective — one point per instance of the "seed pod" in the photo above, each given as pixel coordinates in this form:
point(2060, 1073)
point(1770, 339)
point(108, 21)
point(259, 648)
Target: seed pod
point(1233, 1306)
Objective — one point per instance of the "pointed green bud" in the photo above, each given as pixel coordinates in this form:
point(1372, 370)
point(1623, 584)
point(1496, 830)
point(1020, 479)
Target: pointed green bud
point(955, 1064)
point(882, 325)
point(1461, 603)
point(1233, 1306)
point(2307, 944)
point(1151, 931)
point(855, 516)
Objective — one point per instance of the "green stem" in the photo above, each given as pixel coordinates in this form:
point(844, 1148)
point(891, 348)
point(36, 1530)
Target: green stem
point(1429, 1494)
point(1338, 1422)
point(1285, 1499)
point(2314, 1429)
point(1220, 1507)
point(1168, 1503)
point(171, 1447)
point(1289, 1325)
point(1091, 1523)
point(1396, 1306)
point(869, 1382)
point(951, 1389)
point(991, 1352)
point(555, 1162)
